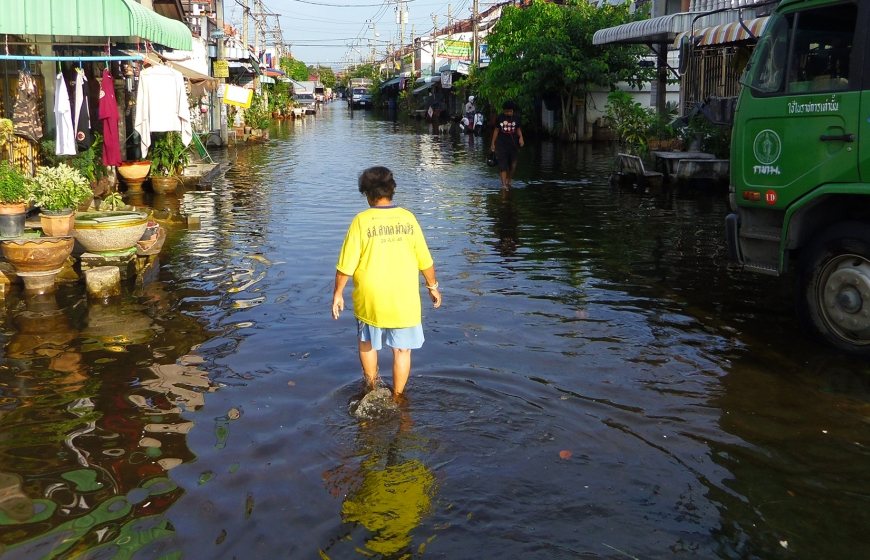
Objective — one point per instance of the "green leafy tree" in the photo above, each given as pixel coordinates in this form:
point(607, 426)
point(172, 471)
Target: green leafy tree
point(295, 69)
point(324, 74)
point(546, 49)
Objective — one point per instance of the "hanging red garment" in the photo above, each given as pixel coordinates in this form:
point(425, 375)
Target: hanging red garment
point(108, 111)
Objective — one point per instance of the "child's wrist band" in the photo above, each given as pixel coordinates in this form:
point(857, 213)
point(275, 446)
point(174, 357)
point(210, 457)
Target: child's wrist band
point(433, 286)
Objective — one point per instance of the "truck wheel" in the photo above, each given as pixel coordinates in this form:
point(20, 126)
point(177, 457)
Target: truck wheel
point(834, 298)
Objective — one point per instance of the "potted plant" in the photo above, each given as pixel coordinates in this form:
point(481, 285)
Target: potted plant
point(258, 117)
point(169, 157)
point(7, 136)
point(13, 200)
point(57, 191)
point(630, 122)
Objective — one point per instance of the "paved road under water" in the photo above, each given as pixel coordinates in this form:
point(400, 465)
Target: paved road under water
point(597, 384)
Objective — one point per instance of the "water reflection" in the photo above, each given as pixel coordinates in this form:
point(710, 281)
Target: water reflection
point(387, 489)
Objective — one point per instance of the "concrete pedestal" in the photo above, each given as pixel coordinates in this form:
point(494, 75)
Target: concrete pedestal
point(103, 282)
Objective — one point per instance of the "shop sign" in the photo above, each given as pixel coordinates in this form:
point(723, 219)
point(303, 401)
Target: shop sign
point(221, 69)
point(450, 48)
point(238, 96)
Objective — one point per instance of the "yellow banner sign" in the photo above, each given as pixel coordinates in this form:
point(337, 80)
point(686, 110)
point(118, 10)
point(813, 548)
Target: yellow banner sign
point(221, 69)
point(449, 48)
point(238, 96)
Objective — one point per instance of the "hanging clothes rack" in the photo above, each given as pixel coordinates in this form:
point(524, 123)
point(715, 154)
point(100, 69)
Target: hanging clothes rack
point(36, 58)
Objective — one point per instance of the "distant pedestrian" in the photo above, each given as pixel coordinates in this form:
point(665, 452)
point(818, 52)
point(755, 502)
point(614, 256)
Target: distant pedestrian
point(384, 252)
point(507, 139)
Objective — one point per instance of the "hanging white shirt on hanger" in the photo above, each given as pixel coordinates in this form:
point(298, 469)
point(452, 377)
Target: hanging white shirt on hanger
point(161, 105)
point(65, 137)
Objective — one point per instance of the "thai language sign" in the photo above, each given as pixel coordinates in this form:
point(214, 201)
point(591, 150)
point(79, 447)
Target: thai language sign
point(449, 48)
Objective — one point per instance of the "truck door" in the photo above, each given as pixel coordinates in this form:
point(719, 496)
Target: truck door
point(799, 127)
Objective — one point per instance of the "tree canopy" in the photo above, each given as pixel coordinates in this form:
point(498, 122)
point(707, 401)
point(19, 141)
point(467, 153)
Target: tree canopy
point(546, 49)
point(295, 69)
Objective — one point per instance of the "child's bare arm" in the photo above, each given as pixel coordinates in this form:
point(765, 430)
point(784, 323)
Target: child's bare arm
point(337, 297)
point(432, 286)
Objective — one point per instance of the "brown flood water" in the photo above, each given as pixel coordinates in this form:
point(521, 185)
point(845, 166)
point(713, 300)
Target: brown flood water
point(598, 383)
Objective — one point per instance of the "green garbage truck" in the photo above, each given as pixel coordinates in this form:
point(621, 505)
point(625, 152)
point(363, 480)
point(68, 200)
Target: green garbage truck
point(800, 164)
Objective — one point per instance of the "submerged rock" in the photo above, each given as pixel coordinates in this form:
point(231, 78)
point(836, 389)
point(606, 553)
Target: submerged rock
point(378, 403)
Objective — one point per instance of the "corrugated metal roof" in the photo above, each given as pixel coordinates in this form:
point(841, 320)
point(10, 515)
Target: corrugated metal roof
point(659, 29)
point(726, 33)
point(93, 18)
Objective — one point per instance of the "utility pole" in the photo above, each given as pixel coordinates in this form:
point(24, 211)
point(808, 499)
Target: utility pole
point(245, 12)
point(221, 55)
point(434, 41)
point(475, 36)
point(258, 13)
point(401, 19)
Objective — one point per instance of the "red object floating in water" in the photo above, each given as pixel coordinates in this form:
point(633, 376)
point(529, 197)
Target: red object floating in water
point(564, 454)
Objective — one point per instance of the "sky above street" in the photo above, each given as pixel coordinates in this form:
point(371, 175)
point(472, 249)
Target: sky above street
point(338, 32)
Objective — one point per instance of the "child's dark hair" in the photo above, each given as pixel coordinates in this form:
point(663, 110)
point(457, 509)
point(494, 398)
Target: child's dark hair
point(509, 105)
point(377, 182)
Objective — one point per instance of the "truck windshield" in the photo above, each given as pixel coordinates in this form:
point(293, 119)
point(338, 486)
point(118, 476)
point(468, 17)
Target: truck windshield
point(765, 71)
point(819, 58)
point(360, 91)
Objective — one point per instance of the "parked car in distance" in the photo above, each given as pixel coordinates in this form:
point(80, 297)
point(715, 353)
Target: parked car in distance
point(305, 104)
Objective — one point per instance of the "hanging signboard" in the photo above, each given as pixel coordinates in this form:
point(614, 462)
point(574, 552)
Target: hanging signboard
point(446, 79)
point(450, 48)
point(238, 96)
point(484, 55)
point(221, 69)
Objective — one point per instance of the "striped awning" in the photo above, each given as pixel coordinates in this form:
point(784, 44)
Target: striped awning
point(118, 19)
point(726, 33)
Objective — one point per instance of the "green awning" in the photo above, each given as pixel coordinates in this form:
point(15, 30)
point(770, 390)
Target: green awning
point(93, 18)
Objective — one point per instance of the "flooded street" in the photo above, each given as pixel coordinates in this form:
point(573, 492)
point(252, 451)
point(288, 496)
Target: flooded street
point(597, 384)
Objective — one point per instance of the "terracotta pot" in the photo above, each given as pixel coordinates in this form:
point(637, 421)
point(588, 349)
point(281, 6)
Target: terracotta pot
point(15, 208)
point(37, 254)
point(134, 173)
point(162, 185)
point(57, 224)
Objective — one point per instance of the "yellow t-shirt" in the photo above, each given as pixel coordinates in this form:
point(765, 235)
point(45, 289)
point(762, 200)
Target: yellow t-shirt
point(384, 250)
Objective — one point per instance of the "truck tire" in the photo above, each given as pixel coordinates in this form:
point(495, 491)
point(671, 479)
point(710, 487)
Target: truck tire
point(834, 287)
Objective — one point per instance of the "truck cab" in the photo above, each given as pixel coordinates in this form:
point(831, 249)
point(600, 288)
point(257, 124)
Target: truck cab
point(800, 172)
point(361, 98)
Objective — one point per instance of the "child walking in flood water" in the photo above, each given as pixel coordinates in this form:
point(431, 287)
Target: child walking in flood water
point(384, 251)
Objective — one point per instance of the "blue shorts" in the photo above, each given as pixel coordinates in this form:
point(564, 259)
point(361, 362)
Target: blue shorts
point(409, 338)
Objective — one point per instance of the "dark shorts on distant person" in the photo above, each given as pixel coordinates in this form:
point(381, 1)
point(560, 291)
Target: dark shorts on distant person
point(507, 157)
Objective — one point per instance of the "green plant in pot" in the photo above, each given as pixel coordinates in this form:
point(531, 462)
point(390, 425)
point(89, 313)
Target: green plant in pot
point(630, 122)
point(13, 200)
point(57, 191)
point(169, 157)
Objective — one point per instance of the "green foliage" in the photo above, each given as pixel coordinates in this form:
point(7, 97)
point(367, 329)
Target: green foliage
point(406, 102)
point(168, 154)
point(7, 133)
point(295, 69)
point(325, 74)
point(361, 71)
point(258, 114)
point(661, 126)
point(112, 201)
point(710, 137)
point(87, 162)
point(630, 121)
point(546, 48)
point(279, 98)
point(58, 188)
point(12, 184)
